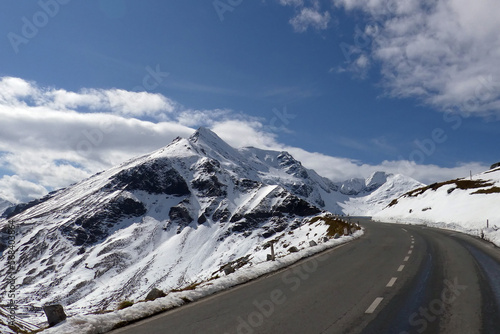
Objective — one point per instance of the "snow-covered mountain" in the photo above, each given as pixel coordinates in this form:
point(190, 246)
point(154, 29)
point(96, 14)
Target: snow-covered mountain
point(359, 186)
point(464, 204)
point(356, 197)
point(175, 217)
point(166, 220)
point(4, 204)
point(387, 188)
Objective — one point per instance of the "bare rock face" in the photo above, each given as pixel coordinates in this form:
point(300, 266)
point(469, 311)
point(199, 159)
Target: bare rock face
point(94, 227)
point(154, 177)
point(55, 314)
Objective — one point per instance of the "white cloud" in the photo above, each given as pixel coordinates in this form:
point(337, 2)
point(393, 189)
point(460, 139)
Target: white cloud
point(239, 133)
point(310, 17)
point(443, 52)
point(15, 190)
point(292, 2)
point(47, 143)
point(201, 117)
point(117, 101)
point(307, 16)
point(14, 89)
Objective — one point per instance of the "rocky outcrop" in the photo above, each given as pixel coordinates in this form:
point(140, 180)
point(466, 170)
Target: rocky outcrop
point(155, 177)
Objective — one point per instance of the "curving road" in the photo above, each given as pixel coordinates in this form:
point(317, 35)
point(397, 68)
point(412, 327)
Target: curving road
point(395, 279)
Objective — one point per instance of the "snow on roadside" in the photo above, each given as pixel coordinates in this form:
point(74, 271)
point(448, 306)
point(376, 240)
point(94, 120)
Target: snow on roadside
point(101, 323)
point(464, 205)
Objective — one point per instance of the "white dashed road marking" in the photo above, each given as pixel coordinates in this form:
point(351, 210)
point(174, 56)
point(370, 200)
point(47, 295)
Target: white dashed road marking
point(374, 305)
point(391, 282)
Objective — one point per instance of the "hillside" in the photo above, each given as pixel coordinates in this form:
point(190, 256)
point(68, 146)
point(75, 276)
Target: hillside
point(463, 204)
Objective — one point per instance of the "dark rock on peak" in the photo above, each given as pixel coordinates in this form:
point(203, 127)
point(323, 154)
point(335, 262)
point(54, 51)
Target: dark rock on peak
point(155, 177)
point(179, 215)
point(210, 187)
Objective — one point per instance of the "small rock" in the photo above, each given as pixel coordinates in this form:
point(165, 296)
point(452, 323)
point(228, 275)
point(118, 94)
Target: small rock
point(155, 293)
point(202, 219)
point(55, 314)
point(228, 269)
point(336, 236)
point(325, 239)
point(293, 249)
point(312, 243)
point(269, 257)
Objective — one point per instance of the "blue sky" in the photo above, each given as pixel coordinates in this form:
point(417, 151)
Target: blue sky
point(347, 86)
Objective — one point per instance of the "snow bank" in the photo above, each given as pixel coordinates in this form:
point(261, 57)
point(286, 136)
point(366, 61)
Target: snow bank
point(464, 205)
point(101, 323)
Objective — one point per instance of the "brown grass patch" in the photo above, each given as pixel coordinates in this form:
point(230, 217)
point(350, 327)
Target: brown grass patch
point(335, 224)
point(124, 304)
point(492, 190)
point(191, 286)
point(459, 183)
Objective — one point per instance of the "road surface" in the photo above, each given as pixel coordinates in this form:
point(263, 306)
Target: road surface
point(394, 279)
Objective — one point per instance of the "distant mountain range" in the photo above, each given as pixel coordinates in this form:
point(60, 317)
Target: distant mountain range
point(174, 217)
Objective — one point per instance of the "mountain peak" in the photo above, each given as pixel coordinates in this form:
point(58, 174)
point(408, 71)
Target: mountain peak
point(376, 180)
point(204, 134)
point(213, 145)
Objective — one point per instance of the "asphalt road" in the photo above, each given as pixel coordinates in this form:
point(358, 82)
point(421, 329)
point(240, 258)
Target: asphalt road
point(395, 279)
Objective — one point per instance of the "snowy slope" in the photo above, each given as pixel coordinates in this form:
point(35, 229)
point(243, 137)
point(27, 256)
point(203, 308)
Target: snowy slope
point(461, 204)
point(102, 323)
point(165, 220)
